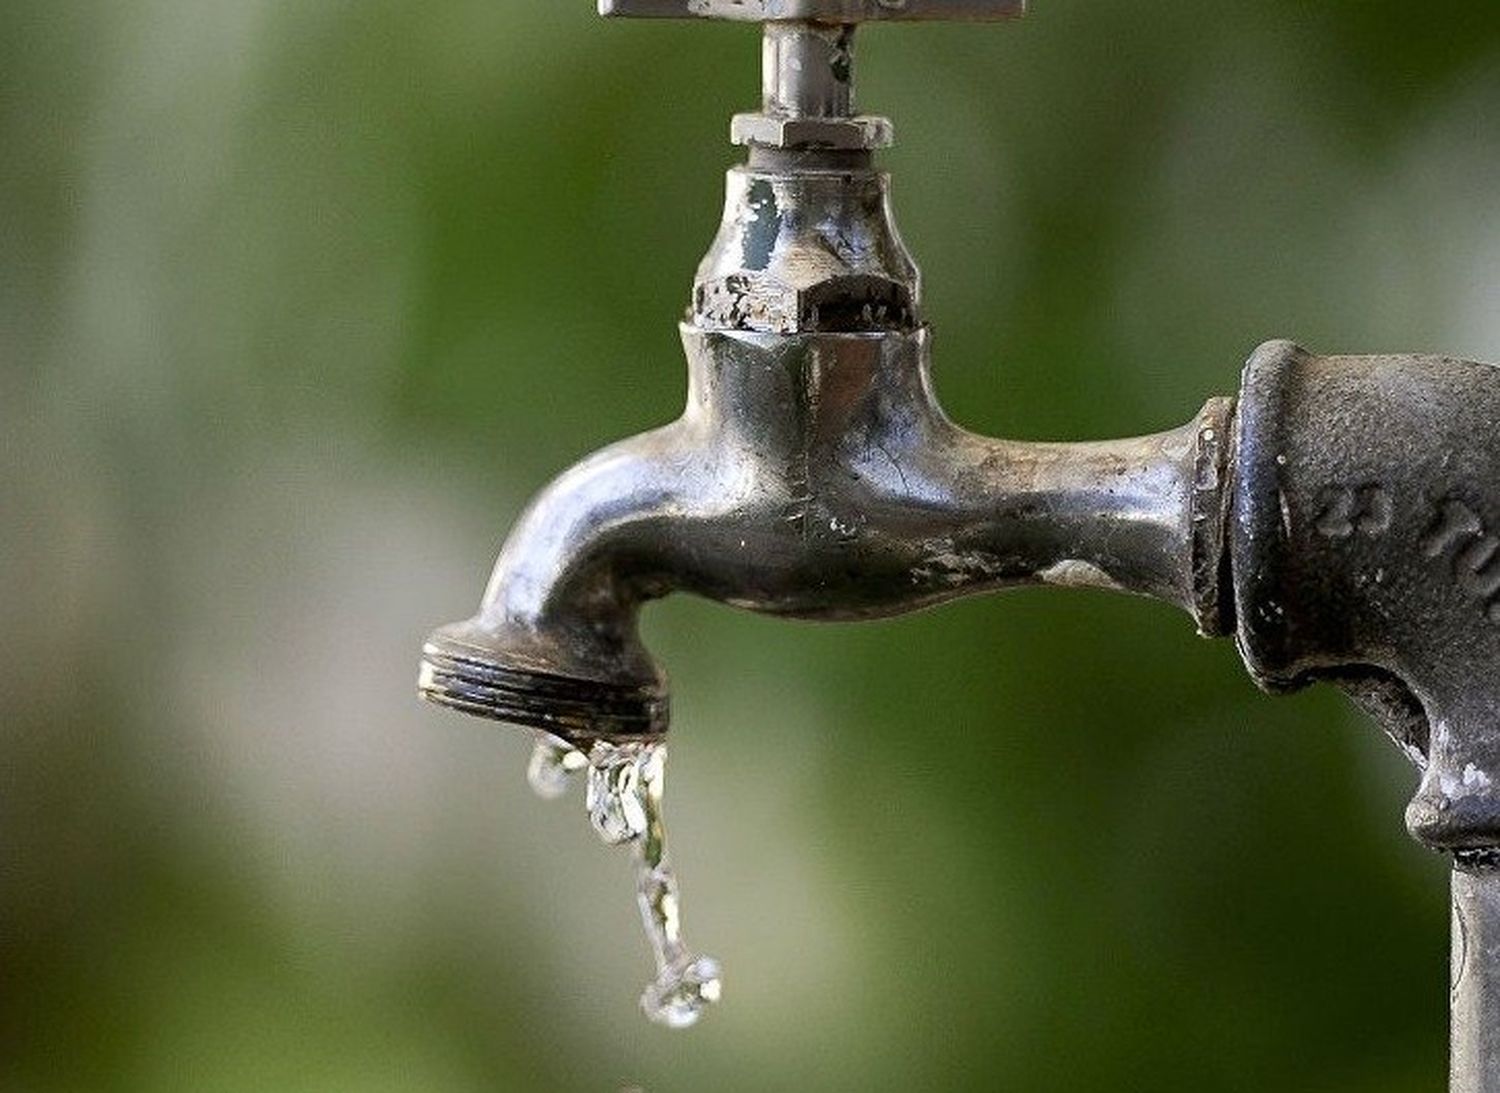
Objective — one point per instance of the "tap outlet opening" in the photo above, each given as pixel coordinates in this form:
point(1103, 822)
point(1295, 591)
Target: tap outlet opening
point(466, 668)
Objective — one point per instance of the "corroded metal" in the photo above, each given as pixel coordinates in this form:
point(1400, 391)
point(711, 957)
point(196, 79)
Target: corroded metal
point(807, 249)
point(1365, 547)
point(807, 70)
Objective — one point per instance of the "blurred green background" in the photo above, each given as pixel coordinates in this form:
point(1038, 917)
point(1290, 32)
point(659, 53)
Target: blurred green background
point(299, 302)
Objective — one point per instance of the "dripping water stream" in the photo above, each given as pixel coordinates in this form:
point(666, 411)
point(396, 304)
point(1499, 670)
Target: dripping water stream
point(624, 802)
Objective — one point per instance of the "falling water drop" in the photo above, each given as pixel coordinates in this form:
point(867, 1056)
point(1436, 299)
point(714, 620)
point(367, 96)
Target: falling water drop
point(624, 799)
point(619, 776)
point(553, 764)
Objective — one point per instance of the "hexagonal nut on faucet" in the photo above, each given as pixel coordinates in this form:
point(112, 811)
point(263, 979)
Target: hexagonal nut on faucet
point(855, 303)
point(806, 251)
point(868, 132)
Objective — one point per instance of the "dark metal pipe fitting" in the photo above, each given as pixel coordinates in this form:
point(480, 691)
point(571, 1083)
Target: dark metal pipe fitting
point(1365, 549)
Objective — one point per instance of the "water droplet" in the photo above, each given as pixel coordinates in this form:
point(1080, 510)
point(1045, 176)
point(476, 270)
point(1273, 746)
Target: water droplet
point(682, 991)
point(625, 788)
point(553, 764)
point(619, 779)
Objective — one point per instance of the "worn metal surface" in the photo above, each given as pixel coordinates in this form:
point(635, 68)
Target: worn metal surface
point(1476, 981)
point(823, 11)
point(807, 93)
point(1365, 552)
point(812, 476)
point(803, 249)
point(869, 131)
point(807, 70)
